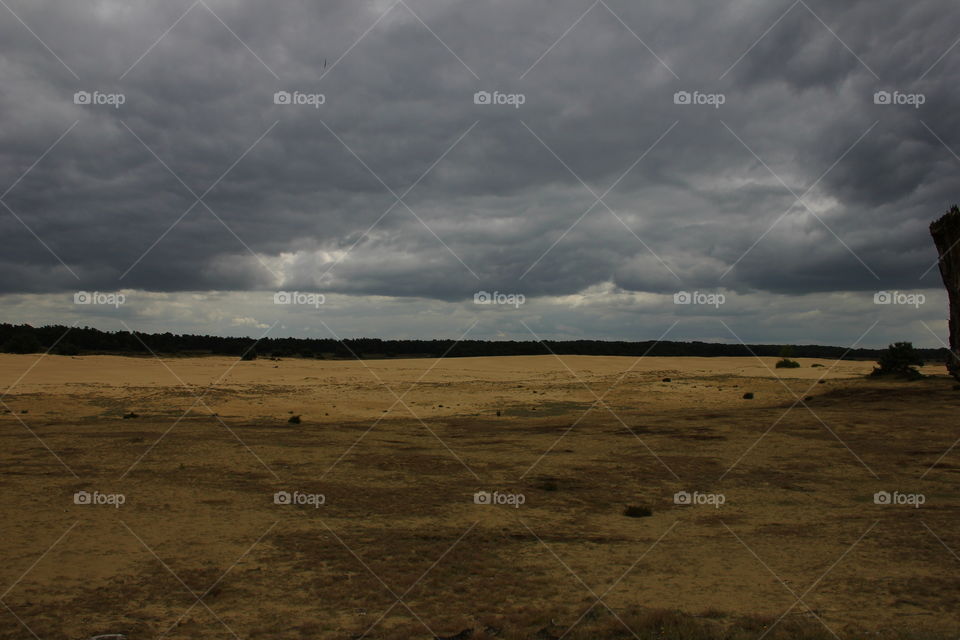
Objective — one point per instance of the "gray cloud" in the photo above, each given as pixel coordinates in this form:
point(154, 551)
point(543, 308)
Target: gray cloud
point(294, 209)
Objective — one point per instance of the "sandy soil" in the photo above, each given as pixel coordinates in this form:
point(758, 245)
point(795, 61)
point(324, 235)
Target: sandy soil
point(398, 448)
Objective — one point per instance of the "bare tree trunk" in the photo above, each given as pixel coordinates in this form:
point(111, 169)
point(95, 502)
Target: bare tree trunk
point(946, 235)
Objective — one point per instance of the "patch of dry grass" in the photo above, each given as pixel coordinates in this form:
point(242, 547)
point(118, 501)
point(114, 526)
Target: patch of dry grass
point(399, 518)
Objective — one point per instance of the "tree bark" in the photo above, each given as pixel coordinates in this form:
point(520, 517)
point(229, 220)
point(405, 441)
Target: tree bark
point(946, 235)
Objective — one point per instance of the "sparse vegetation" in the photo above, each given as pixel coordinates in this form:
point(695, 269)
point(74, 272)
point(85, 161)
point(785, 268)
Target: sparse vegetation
point(785, 362)
point(899, 361)
point(400, 500)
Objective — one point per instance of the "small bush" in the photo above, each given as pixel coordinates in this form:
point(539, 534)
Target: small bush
point(899, 360)
point(294, 419)
point(786, 363)
point(748, 395)
point(249, 355)
point(637, 512)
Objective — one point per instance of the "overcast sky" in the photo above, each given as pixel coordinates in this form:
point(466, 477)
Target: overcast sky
point(623, 152)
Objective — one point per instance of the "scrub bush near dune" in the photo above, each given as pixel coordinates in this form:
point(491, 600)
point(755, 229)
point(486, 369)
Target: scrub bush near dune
point(785, 362)
point(898, 361)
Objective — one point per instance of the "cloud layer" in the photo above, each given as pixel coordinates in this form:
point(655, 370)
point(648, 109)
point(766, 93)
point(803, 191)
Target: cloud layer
point(399, 187)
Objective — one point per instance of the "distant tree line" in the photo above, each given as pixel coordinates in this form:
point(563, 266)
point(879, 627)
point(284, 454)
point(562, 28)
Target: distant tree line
point(87, 340)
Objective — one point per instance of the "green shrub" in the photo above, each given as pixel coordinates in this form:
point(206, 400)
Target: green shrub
point(786, 363)
point(899, 360)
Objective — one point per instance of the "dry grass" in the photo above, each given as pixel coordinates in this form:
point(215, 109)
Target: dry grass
point(199, 504)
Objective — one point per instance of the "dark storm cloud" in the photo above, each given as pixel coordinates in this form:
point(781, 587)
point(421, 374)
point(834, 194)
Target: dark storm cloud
point(288, 200)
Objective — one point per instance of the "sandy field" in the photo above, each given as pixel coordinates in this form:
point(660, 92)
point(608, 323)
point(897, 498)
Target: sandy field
point(208, 514)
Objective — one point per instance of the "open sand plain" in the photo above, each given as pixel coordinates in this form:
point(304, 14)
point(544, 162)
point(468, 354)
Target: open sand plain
point(397, 449)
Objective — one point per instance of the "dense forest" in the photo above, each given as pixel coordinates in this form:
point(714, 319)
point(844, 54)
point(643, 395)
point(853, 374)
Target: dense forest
point(63, 340)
